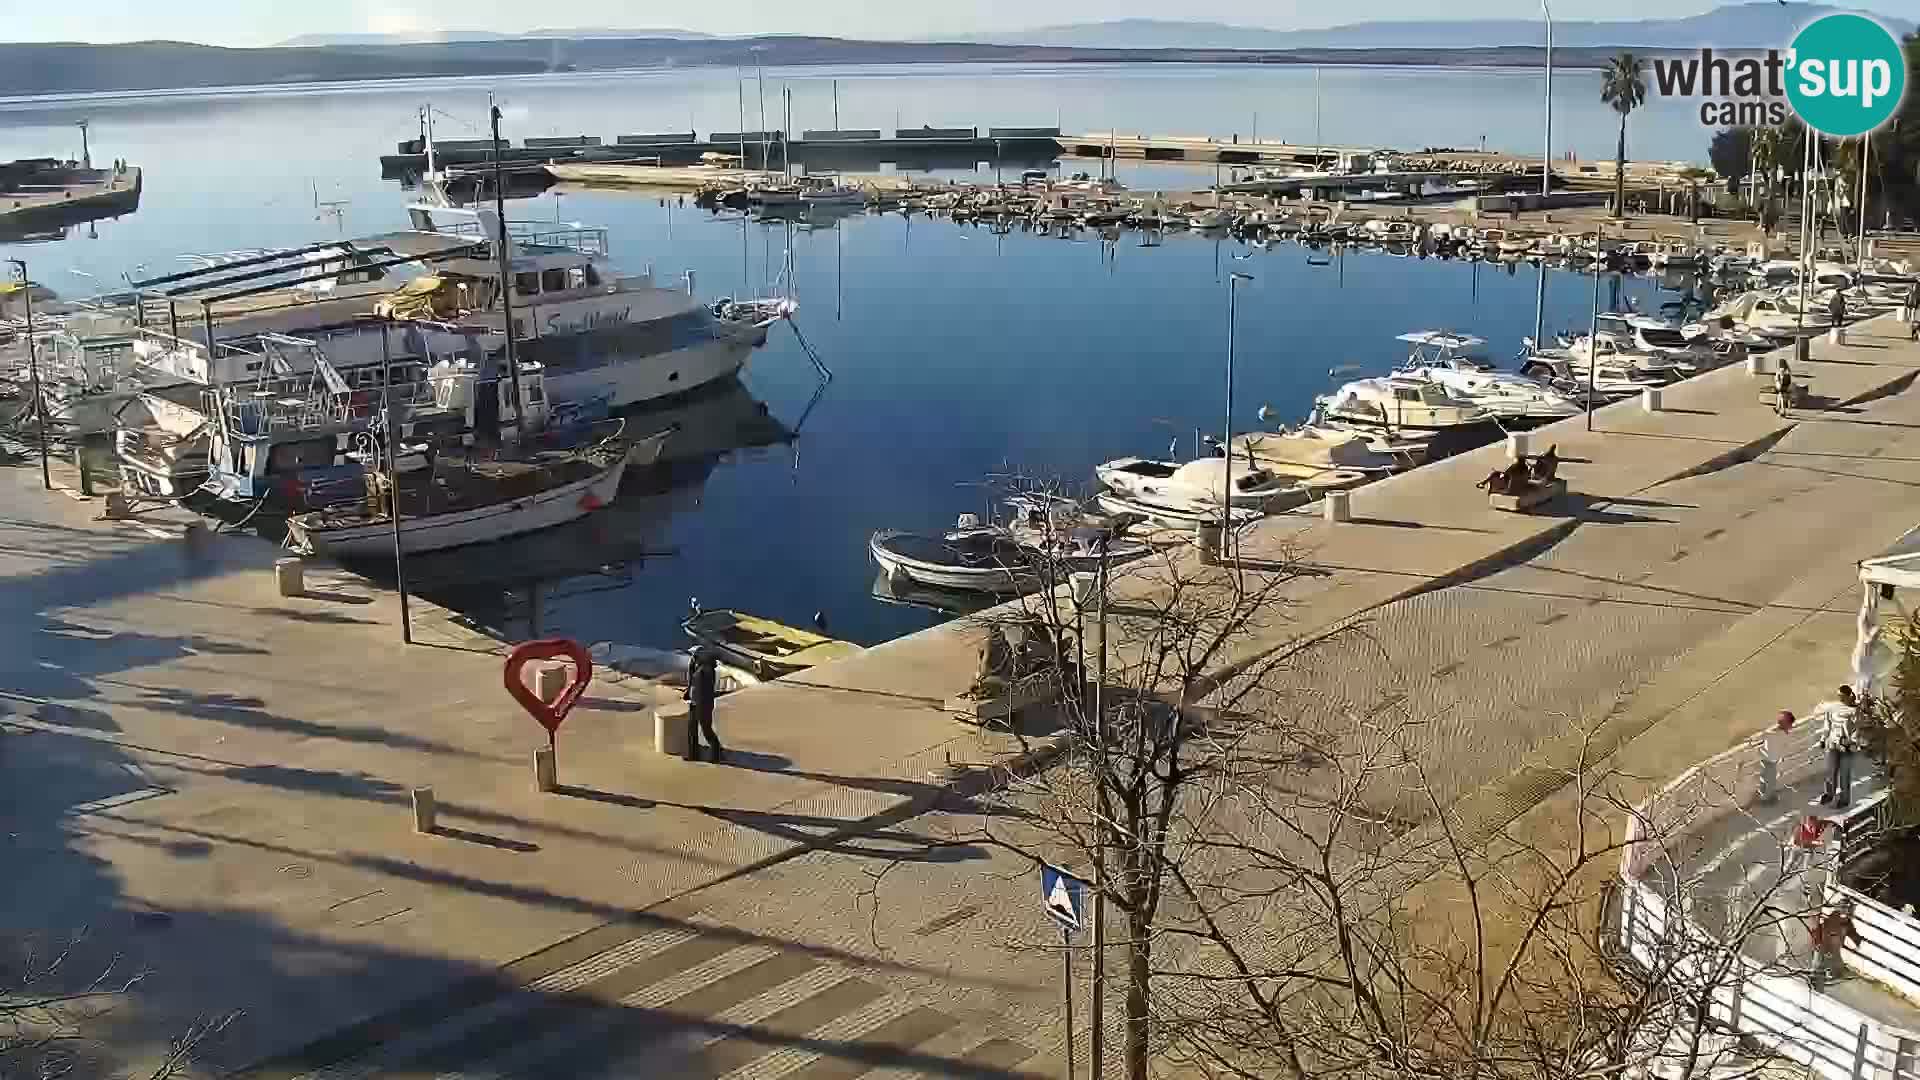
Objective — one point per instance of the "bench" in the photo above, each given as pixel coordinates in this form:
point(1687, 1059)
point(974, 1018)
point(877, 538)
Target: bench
point(1534, 495)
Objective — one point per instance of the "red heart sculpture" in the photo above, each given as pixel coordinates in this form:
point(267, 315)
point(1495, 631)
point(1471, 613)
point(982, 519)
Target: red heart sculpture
point(550, 715)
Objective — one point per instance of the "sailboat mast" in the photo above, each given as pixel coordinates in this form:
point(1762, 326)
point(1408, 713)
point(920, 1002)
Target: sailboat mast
point(506, 276)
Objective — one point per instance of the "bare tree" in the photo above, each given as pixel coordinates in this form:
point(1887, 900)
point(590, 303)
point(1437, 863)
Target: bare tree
point(52, 1002)
point(1295, 891)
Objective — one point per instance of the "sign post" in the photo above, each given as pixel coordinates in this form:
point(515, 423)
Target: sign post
point(1063, 895)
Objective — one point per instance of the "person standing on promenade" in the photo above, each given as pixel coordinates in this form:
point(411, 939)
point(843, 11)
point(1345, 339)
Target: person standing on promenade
point(1838, 720)
point(702, 676)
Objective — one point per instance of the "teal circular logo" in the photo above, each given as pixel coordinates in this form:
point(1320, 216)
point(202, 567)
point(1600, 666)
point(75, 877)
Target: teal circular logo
point(1846, 75)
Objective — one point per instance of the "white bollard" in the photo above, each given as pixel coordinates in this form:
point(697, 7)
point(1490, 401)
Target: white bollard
point(1207, 538)
point(670, 729)
point(1650, 399)
point(1084, 583)
point(424, 810)
point(546, 771)
point(1337, 507)
point(548, 681)
point(291, 574)
point(1756, 365)
point(1837, 336)
point(1517, 446)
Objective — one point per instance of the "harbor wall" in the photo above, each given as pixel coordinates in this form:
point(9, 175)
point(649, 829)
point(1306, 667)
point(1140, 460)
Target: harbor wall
point(671, 138)
point(937, 133)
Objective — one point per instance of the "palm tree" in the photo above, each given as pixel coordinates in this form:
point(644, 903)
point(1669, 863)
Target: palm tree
point(1624, 87)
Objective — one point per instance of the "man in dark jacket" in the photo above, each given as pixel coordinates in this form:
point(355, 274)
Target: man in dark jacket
point(701, 676)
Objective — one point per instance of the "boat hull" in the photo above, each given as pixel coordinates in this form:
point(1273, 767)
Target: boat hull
point(995, 580)
point(438, 532)
point(642, 380)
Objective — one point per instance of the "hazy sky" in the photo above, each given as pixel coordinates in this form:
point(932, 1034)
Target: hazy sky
point(263, 22)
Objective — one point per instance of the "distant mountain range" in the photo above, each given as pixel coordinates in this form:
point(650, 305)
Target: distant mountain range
point(66, 67)
point(1733, 26)
point(308, 41)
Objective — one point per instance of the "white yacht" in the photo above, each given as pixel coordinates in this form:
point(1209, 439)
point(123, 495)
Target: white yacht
point(1406, 403)
point(1321, 458)
point(1583, 350)
point(1519, 402)
point(1771, 314)
point(1641, 335)
point(598, 334)
point(1609, 382)
point(1197, 486)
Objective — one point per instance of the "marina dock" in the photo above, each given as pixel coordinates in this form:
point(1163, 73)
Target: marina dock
point(49, 197)
point(220, 775)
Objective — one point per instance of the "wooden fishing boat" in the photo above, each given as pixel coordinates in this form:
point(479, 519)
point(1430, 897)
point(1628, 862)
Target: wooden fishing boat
point(764, 647)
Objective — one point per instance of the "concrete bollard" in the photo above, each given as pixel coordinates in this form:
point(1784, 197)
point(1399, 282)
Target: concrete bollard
point(1837, 336)
point(1085, 583)
point(670, 729)
point(546, 770)
point(117, 507)
point(1206, 536)
point(1517, 446)
point(1338, 506)
point(424, 810)
point(548, 681)
point(291, 574)
point(1756, 365)
point(1650, 399)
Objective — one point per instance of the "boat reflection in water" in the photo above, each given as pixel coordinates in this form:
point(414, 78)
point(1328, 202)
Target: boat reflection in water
point(909, 593)
point(501, 588)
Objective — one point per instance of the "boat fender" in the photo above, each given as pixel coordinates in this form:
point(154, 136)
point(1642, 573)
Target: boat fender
point(590, 501)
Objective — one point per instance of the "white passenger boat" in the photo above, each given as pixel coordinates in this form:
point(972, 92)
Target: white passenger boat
point(598, 333)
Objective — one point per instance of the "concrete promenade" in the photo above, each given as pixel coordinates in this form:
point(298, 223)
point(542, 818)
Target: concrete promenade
point(213, 779)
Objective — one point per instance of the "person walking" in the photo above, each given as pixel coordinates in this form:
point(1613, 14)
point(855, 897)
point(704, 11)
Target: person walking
point(1838, 720)
point(1831, 930)
point(1912, 312)
point(1782, 387)
point(702, 675)
point(1837, 307)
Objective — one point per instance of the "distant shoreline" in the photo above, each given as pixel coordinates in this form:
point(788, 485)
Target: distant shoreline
point(31, 72)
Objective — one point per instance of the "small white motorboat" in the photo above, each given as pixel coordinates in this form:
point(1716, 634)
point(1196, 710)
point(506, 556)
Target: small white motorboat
point(1179, 515)
point(1200, 484)
point(970, 558)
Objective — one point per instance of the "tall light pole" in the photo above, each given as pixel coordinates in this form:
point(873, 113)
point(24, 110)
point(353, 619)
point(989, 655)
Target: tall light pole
point(1546, 178)
point(1593, 326)
point(33, 368)
point(1226, 485)
point(760, 77)
point(1546, 150)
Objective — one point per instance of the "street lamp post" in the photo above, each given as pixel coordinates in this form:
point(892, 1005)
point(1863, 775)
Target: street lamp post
point(1226, 484)
point(33, 369)
point(1546, 150)
point(1593, 326)
point(1546, 177)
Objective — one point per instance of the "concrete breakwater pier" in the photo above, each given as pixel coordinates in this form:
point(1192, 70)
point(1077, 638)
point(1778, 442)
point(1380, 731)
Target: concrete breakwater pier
point(215, 778)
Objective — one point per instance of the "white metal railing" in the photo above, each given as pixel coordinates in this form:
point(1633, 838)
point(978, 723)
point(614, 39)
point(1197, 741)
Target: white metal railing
point(1777, 1009)
point(586, 239)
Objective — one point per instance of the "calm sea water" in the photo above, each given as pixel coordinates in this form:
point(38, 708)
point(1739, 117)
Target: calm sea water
point(956, 353)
